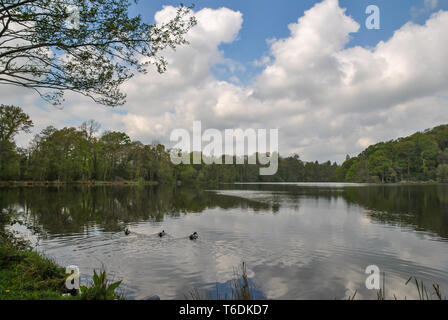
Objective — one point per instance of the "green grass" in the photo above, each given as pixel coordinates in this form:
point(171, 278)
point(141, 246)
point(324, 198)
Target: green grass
point(26, 274)
point(101, 288)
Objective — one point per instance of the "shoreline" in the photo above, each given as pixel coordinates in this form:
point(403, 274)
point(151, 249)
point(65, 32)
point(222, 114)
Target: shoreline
point(94, 183)
point(26, 274)
point(75, 183)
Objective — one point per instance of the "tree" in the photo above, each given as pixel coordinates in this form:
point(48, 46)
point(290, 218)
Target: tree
point(9, 161)
point(113, 152)
point(87, 46)
point(90, 128)
point(406, 155)
point(12, 121)
point(381, 165)
point(442, 173)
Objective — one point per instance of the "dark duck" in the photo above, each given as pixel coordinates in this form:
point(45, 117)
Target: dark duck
point(161, 234)
point(194, 236)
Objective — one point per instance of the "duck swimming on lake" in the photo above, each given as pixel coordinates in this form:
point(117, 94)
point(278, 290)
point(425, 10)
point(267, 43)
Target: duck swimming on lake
point(194, 236)
point(127, 232)
point(161, 234)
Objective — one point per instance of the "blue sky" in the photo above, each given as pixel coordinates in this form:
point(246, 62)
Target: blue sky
point(267, 19)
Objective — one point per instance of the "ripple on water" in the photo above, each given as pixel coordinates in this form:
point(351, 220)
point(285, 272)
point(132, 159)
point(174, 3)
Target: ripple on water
point(313, 245)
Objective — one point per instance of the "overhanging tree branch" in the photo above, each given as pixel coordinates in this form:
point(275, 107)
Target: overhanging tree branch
point(38, 49)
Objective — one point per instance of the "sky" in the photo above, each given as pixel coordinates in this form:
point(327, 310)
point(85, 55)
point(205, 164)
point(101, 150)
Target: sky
point(310, 68)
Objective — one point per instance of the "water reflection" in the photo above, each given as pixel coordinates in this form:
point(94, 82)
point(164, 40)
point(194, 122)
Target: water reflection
point(299, 242)
point(68, 210)
point(421, 207)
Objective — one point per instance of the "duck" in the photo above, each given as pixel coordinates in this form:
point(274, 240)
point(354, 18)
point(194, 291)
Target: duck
point(127, 232)
point(161, 234)
point(194, 236)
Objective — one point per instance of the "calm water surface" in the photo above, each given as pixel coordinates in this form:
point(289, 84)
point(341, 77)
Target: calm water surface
point(300, 241)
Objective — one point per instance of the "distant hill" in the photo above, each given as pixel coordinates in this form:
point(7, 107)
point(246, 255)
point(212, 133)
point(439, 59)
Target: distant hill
point(422, 156)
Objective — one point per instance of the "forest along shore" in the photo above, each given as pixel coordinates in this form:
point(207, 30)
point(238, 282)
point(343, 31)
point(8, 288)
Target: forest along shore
point(85, 183)
point(85, 154)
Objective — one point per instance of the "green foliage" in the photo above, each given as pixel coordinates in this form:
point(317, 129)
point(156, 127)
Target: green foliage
point(188, 174)
point(9, 161)
point(77, 154)
point(71, 154)
point(12, 121)
point(93, 56)
point(26, 274)
point(101, 288)
point(442, 173)
point(419, 157)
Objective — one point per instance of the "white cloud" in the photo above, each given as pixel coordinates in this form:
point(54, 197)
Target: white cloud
point(263, 61)
point(364, 142)
point(428, 6)
point(431, 4)
point(325, 99)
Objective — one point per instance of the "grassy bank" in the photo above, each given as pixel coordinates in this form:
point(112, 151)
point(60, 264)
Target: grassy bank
point(26, 274)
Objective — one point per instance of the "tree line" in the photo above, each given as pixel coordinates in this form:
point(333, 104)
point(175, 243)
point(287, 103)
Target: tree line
point(422, 156)
point(80, 154)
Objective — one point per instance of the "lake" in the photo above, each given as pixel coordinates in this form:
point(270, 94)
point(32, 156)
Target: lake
point(299, 241)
